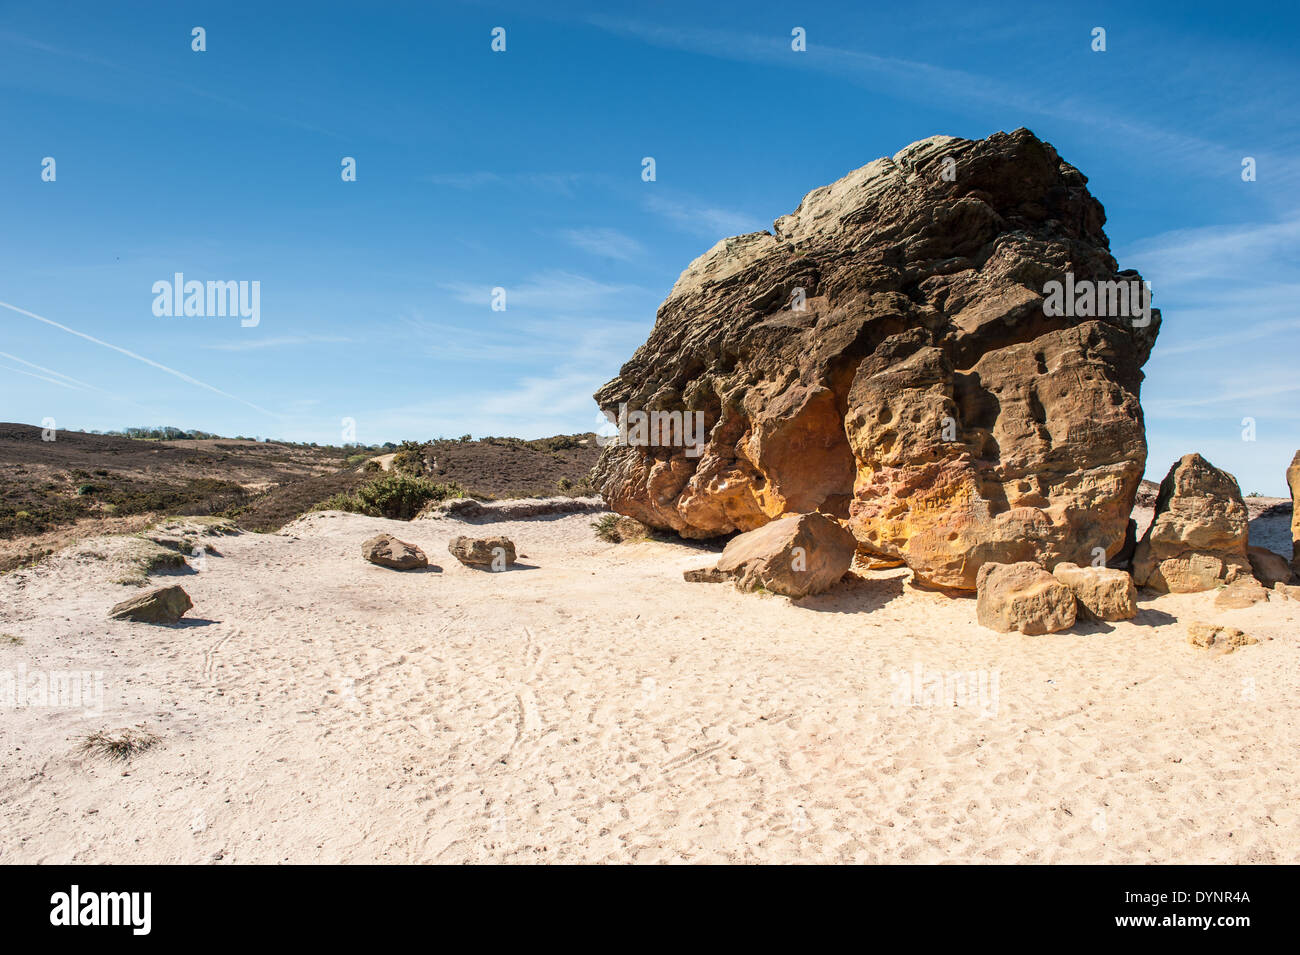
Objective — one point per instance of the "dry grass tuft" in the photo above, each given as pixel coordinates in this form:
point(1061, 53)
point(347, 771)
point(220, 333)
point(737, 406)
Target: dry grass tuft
point(119, 744)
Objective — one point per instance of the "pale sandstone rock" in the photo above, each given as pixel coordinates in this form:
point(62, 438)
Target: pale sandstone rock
point(1022, 596)
point(1103, 593)
point(797, 555)
point(1198, 537)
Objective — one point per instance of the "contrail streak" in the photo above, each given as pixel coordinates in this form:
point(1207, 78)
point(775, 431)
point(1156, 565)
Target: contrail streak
point(130, 354)
point(30, 374)
point(48, 371)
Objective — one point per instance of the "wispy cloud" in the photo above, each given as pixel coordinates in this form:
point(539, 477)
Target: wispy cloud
point(551, 291)
point(256, 344)
point(701, 219)
point(930, 83)
point(609, 243)
point(140, 358)
point(66, 380)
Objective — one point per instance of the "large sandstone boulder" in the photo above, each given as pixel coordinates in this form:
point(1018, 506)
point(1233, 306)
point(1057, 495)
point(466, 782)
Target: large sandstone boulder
point(1293, 482)
point(1022, 596)
point(797, 555)
point(387, 551)
point(888, 354)
point(165, 605)
point(1104, 593)
point(1198, 537)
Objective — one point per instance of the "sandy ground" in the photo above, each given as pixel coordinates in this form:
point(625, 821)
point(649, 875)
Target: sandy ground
point(590, 706)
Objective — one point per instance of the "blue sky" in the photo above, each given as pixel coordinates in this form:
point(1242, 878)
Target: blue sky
point(522, 170)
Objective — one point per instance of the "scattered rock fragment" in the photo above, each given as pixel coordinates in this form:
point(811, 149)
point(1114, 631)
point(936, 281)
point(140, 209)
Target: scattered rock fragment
point(1022, 596)
point(1291, 591)
point(705, 575)
point(1216, 636)
point(496, 553)
point(387, 551)
point(164, 605)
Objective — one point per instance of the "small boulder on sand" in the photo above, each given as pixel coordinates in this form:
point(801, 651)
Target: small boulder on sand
point(387, 551)
point(795, 556)
point(497, 553)
point(1022, 596)
point(1103, 593)
point(1224, 639)
point(1269, 568)
point(1242, 592)
point(165, 605)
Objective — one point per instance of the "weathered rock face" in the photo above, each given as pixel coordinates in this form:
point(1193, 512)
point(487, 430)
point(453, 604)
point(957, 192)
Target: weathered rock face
point(885, 356)
point(796, 555)
point(1103, 593)
point(1022, 596)
point(1293, 482)
point(1198, 537)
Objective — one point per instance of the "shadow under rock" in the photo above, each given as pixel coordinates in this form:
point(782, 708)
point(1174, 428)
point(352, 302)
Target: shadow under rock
point(855, 594)
point(1150, 617)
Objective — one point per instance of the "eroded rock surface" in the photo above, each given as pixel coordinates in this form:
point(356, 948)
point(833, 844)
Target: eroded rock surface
point(1199, 534)
point(1022, 596)
point(884, 356)
point(1103, 593)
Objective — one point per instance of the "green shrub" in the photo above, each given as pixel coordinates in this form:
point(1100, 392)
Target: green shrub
point(395, 495)
point(607, 528)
